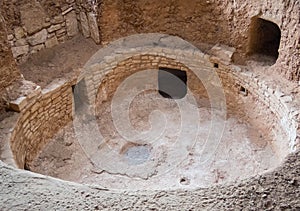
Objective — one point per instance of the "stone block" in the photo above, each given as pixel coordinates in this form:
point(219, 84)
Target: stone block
point(94, 30)
point(21, 50)
point(54, 28)
point(51, 35)
point(61, 32)
point(84, 25)
point(38, 38)
point(18, 104)
point(66, 11)
point(21, 42)
point(46, 24)
point(19, 33)
point(71, 24)
point(10, 37)
point(223, 52)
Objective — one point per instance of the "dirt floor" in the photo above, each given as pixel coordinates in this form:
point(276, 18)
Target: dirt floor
point(58, 62)
point(172, 160)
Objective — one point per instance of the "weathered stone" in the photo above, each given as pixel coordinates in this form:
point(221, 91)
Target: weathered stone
point(38, 38)
point(51, 42)
point(21, 42)
point(223, 52)
point(54, 28)
point(71, 24)
point(94, 27)
point(51, 35)
point(84, 25)
point(10, 37)
point(21, 50)
point(57, 19)
point(18, 104)
point(33, 17)
point(60, 32)
point(19, 33)
point(66, 11)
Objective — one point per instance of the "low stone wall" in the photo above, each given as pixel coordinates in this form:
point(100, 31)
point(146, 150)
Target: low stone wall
point(40, 119)
point(284, 107)
point(34, 35)
point(38, 30)
point(145, 62)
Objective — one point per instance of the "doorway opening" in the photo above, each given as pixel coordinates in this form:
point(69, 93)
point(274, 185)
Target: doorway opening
point(264, 40)
point(172, 83)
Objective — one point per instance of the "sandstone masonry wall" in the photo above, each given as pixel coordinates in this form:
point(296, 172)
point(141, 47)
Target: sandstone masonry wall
point(145, 62)
point(38, 30)
point(34, 25)
point(39, 120)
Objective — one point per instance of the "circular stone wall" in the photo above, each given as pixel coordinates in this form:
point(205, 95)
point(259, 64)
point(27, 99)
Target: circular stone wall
point(243, 101)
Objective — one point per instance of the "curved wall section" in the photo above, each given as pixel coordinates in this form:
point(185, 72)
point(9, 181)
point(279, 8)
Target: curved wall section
point(40, 120)
point(52, 109)
point(124, 54)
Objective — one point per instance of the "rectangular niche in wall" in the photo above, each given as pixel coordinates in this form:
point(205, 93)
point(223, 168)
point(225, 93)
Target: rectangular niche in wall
point(172, 83)
point(264, 39)
point(80, 95)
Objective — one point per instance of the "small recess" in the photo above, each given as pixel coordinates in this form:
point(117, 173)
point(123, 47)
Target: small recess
point(243, 91)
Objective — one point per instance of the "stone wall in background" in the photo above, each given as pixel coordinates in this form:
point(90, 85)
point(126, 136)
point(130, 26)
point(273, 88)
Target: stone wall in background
point(38, 30)
point(194, 21)
point(35, 25)
point(8, 69)
point(88, 15)
point(207, 22)
point(283, 13)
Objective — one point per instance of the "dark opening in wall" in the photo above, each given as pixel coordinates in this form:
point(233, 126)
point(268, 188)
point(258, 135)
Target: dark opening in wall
point(243, 91)
point(79, 95)
point(264, 40)
point(172, 83)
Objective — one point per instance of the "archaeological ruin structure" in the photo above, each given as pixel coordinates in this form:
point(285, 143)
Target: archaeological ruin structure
point(150, 105)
